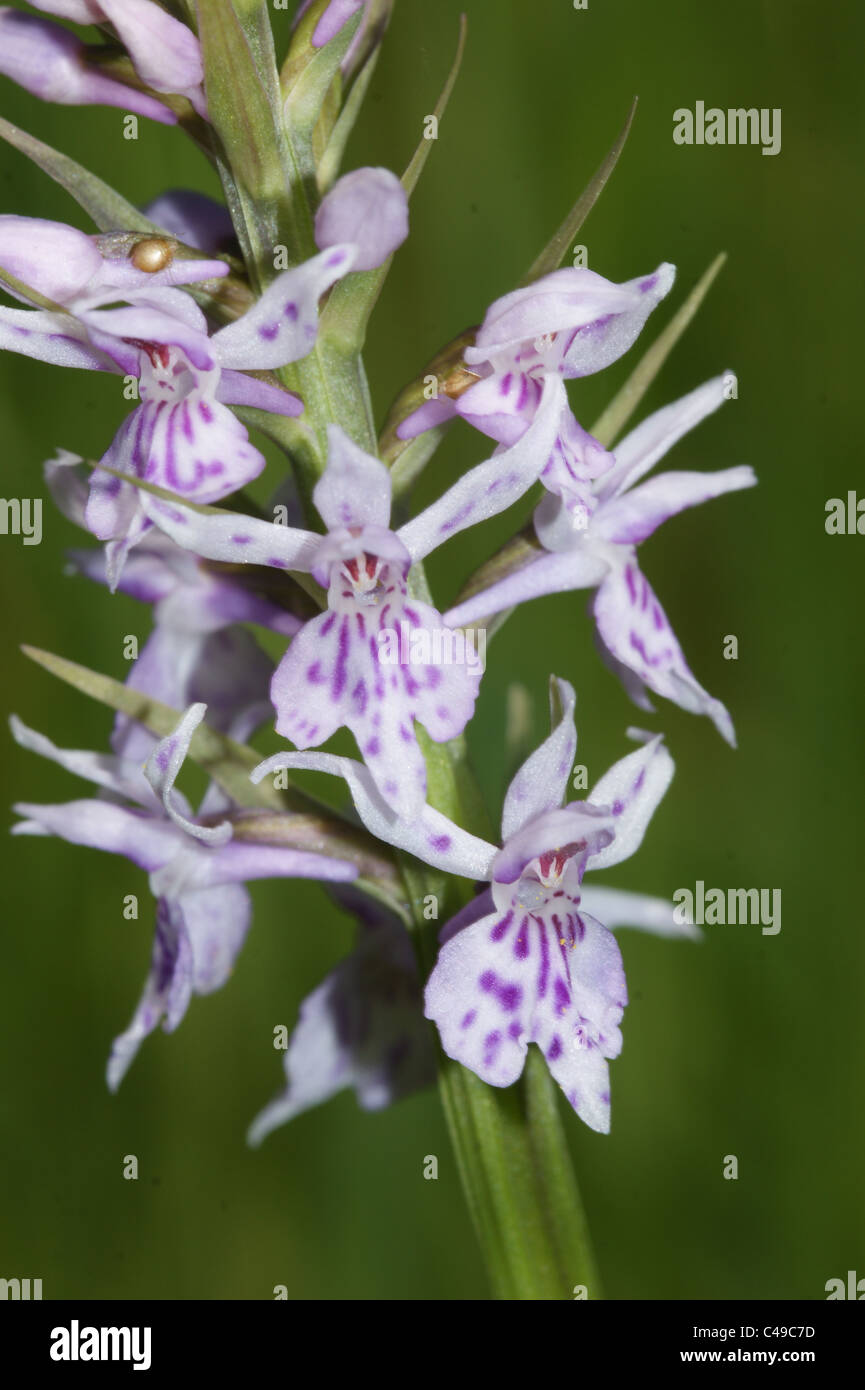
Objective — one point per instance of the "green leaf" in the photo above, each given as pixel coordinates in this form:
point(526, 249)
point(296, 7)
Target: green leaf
point(556, 249)
point(108, 209)
point(227, 762)
point(617, 414)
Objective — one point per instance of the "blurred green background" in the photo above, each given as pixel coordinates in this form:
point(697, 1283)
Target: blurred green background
point(747, 1044)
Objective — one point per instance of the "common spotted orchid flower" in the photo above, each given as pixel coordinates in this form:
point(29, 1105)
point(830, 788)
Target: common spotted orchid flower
point(379, 658)
point(198, 872)
point(529, 960)
point(590, 539)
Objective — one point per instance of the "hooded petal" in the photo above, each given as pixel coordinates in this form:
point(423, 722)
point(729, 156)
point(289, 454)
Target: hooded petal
point(161, 772)
point(282, 325)
point(492, 486)
point(430, 836)
point(367, 208)
point(636, 631)
point(585, 829)
point(542, 781)
point(355, 488)
point(362, 1028)
point(631, 791)
point(632, 516)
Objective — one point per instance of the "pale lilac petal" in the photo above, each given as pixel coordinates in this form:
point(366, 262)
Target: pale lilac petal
point(436, 411)
point(636, 631)
point(50, 337)
point(481, 905)
point(102, 825)
point(51, 63)
point(161, 771)
point(440, 692)
point(282, 325)
point(654, 437)
point(237, 389)
point(362, 1028)
point(119, 775)
point(167, 989)
point(68, 484)
point(153, 323)
point(56, 260)
point(193, 218)
point(501, 405)
point(630, 792)
point(165, 53)
point(368, 209)
point(333, 18)
point(542, 781)
point(580, 568)
point(235, 538)
point(617, 908)
point(492, 486)
point(242, 861)
point(603, 341)
point(429, 836)
point(632, 516)
point(355, 488)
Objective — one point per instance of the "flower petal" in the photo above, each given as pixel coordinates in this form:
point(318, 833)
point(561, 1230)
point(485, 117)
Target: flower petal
point(630, 791)
point(542, 781)
point(234, 537)
point(429, 836)
point(579, 568)
point(282, 325)
point(362, 1028)
point(147, 842)
point(367, 208)
point(355, 488)
point(492, 486)
point(161, 771)
point(632, 516)
point(636, 631)
point(119, 775)
point(654, 437)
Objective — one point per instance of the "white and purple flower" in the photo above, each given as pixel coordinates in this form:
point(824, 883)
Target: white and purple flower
point(334, 673)
point(197, 870)
point(590, 535)
point(529, 959)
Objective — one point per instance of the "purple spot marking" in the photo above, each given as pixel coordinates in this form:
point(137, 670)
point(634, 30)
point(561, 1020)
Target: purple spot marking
point(469, 1018)
point(268, 331)
point(290, 311)
point(440, 842)
point(487, 981)
point(555, 1049)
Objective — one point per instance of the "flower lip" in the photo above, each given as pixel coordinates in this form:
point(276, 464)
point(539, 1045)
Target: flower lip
point(360, 545)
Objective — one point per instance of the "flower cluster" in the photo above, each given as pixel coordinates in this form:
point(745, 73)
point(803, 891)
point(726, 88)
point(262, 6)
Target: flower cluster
point(530, 957)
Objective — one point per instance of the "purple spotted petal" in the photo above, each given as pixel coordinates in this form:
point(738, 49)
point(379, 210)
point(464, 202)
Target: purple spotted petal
point(517, 978)
point(362, 1028)
point(355, 488)
point(632, 516)
point(50, 337)
point(368, 209)
point(197, 940)
point(630, 792)
point(161, 771)
point(636, 631)
point(337, 672)
point(430, 836)
point(501, 405)
point(48, 61)
point(282, 325)
point(235, 538)
point(542, 781)
point(492, 486)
